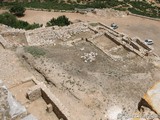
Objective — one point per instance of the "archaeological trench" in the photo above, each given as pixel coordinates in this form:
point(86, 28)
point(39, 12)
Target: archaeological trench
point(84, 71)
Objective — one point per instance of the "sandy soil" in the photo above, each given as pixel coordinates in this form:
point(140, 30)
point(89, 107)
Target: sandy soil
point(94, 87)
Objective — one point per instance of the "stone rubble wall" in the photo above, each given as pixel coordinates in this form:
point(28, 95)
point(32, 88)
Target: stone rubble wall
point(4, 43)
point(49, 35)
point(44, 36)
point(59, 109)
point(5, 28)
point(124, 44)
point(143, 44)
point(8, 31)
point(135, 45)
point(99, 46)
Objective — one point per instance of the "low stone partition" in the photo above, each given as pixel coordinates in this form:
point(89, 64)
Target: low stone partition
point(58, 108)
point(129, 41)
point(125, 43)
point(92, 29)
point(108, 28)
point(135, 45)
point(40, 90)
point(143, 44)
point(112, 38)
point(3, 42)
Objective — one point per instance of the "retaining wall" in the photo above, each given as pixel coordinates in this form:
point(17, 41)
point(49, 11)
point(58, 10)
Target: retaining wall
point(141, 16)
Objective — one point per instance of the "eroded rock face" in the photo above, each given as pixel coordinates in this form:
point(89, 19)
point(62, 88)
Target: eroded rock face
point(152, 97)
point(9, 107)
point(4, 106)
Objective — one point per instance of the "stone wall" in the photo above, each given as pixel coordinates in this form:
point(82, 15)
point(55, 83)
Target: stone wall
point(135, 45)
point(49, 35)
point(58, 108)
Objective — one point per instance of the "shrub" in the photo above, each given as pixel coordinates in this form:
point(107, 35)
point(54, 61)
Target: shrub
point(60, 21)
point(35, 51)
point(11, 20)
point(18, 10)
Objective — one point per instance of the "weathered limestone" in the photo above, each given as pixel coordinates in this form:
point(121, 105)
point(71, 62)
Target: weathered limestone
point(4, 42)
point(9, 107)
point(152, 97)
point(34, 93)
point(5, 29)
point(44, 36)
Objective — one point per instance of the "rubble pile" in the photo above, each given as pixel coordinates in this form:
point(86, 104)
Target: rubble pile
point(5, 29)
point(50, 35)
point(89, 57)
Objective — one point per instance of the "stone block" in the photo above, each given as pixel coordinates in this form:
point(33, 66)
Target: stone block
point(49, 108)
point(34, 93)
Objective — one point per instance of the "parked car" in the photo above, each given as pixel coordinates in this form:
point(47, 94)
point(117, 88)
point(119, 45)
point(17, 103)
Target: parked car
point(148, 42)
point(114, 26)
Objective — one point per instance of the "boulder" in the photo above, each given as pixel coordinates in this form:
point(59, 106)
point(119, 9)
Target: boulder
point(152, 97)
point(9, 107)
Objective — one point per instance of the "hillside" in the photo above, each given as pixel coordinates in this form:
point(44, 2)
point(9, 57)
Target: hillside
point(146, 8)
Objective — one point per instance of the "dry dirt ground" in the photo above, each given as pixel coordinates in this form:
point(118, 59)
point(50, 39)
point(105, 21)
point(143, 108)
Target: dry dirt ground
point(96, 90)
point(14, 73)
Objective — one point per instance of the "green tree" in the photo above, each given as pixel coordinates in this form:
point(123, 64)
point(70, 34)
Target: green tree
point(11, 20)
point(18, 10)
point(60, 21)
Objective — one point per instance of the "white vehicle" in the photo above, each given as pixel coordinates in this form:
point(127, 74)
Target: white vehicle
point(148, 42)
point(114, 26)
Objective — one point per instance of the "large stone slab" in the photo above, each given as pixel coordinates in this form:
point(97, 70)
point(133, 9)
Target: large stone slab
point(152, 97)
point(29, 117)
point(9, 107)
point(16, 109)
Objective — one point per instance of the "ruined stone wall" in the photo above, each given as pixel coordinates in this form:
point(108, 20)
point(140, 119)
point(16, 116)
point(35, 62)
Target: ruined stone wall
point(49, 35)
